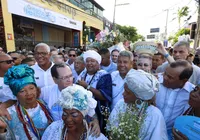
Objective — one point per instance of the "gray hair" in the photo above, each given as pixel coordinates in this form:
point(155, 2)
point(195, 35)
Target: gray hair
point(43, 44)
point(126, 54)
point(182, 43)
point(80, 58)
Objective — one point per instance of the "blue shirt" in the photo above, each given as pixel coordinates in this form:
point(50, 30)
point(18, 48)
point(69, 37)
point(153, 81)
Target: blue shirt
point(112, 67)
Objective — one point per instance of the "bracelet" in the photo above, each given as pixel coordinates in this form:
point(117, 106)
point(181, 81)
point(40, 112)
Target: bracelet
point(88, 87)
point(166, 55)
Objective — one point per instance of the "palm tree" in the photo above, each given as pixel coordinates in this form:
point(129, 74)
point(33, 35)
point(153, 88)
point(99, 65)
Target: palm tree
point(182, 12)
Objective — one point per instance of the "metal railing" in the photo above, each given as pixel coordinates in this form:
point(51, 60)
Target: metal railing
point(65, 7)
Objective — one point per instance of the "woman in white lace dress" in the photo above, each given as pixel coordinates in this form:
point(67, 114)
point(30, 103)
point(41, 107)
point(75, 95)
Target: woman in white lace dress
point(76, 102)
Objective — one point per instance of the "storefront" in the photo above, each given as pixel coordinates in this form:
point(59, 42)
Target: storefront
point(58, 23)
point(33, 24)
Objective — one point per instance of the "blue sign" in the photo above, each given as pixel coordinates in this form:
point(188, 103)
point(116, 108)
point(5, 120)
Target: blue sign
point(39, 13)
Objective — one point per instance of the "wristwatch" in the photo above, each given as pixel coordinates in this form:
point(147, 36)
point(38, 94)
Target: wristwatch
point(166, 55)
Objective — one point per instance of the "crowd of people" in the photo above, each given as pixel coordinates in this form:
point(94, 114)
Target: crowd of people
point(51, 94)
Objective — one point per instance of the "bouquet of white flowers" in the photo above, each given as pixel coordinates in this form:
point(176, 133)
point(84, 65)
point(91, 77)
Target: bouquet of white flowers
point(127, 124)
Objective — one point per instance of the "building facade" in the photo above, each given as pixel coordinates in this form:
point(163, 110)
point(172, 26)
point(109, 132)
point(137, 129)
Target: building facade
point(55, 22)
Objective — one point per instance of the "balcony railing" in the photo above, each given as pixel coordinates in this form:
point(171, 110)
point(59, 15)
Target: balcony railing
point(67, 8)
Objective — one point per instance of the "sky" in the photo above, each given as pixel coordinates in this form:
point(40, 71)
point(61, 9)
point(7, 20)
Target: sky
point(146, 14)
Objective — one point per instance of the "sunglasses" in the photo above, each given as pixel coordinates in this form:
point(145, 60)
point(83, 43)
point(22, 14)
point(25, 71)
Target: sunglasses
point(7, 61)
point(14, 58)
point(70, 55)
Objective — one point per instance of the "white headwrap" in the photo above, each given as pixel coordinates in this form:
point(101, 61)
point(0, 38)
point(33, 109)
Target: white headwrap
point(92, 54)
point(142, 84)
point(77, 97)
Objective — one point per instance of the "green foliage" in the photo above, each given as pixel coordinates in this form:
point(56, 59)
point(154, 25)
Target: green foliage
point(129, 32)
point(182, 12)
point(129, 124)
point(179, 33)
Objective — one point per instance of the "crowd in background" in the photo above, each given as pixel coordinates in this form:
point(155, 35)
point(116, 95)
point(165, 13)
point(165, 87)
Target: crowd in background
point(163, 86)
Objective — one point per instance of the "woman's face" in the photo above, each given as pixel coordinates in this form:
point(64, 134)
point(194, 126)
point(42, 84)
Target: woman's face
point(194, 100)
point(73, 119)
point(92, 65)
point(129, 96)
point(27, 95)
point(144, 64)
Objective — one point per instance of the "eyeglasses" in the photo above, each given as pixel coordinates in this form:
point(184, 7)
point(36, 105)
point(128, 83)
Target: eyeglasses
point(14, 58)
point(145, 64)
point(70, 55)
point(66, 77)
point(41, 53)
point(7, 61)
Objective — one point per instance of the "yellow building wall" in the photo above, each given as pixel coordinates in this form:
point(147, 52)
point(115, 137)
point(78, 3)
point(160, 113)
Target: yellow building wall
point(8, 26)
point(78, 15)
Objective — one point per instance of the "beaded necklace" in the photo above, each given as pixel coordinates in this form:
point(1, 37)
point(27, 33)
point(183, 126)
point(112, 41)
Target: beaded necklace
point(28, 122)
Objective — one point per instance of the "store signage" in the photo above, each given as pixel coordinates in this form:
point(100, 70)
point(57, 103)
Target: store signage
point(154, 30)
point(151, 36)
point(26, 9)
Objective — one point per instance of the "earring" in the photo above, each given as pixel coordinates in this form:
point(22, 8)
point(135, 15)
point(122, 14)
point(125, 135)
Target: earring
point(138, 103)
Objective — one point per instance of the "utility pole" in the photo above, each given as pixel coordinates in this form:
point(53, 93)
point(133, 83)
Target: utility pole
point(197, 33)
point(166, 23)
point(114, 26)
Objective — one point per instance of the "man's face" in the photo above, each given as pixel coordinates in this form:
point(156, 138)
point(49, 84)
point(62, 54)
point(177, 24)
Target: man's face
point(79, 65)
point(16, 57)
point(171, 77)
point(144, 64)
point(65, 77)
point(72, 56)
point(114, 56)
point(105, 59)
point(42, 56)
point(6, 62)
point(180, 52)
point(124, 64)
point(157, 61)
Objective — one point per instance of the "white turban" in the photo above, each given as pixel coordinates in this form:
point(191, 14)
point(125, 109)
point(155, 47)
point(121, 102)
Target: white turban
point(142, 84)
point(92, 54)
point(77, 97)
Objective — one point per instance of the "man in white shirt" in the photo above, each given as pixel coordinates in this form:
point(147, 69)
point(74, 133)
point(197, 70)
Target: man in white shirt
point(106, 63)
point(124, 64)
point(43, 66)
point(181, 51)
point(72, 57)
point(62, 75)
point(172, 98)
point(5, 63)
